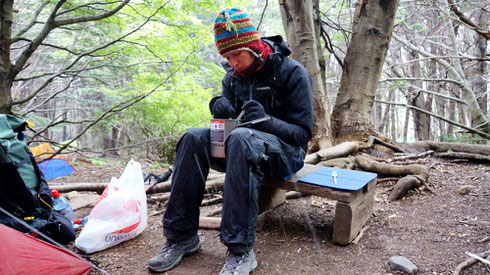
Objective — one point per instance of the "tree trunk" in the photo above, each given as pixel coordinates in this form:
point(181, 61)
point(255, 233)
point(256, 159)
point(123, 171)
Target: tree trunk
point(371, 34)
point(477, 115)
point(480, 80)
point(406, 122)
point(394, 121)
point(421, 120)
point(298, 18)
point(6, 11)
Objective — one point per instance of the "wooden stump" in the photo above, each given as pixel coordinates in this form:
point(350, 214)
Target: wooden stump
point(270, 197)
point(352, 210)
point(351, 216)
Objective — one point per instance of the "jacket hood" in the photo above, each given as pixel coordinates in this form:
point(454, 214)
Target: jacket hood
point(277, 44)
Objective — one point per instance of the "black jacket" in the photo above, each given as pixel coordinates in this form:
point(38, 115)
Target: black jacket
point(283, 87)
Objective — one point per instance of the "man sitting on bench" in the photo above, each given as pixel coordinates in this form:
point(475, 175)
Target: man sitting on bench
point(262, 81)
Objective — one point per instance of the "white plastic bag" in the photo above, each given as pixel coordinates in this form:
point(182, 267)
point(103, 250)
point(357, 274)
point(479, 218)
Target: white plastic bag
point(119, 215)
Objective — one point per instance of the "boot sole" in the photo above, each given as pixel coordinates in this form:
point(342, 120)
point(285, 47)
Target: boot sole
point(193, 251)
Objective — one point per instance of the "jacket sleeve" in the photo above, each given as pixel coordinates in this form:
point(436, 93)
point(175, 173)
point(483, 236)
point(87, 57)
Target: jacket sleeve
point(227, 92)
point(296, 128)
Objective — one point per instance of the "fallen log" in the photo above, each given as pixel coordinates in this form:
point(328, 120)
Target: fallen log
point(480, 149)
point(210, 223)
point(373, 139)
point(290, 195)
point(215, 184)
point(412, 156)
point(214, 212)
point(415, 175)
point(342, 163)
point(339, 150)
point(80, 186)
point(334, 152)
point(158, 199)
point(462, 155)
point(212, 201)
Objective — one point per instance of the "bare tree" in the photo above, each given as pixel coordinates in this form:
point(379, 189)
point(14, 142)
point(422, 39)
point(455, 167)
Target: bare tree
point(362, 67)
point(453, 68)
point(53, 50)
point(300, 21)
point(58, 17)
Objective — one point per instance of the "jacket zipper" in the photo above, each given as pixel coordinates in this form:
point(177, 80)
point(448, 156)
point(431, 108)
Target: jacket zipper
point(251, 84)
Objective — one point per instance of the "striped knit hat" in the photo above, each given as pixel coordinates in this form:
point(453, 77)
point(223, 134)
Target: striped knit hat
point(234, 31)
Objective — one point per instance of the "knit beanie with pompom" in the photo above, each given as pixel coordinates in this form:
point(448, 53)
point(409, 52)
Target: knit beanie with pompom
point(234, 31)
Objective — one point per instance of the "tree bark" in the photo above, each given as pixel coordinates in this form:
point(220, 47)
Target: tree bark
point(298, 18)
point(422, 146)
point(417, 97)
point(372, 30)
point(6, 17)
point(415, 175)
point(480, 76)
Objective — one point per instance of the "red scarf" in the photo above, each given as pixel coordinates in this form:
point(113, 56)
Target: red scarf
point(257, 64)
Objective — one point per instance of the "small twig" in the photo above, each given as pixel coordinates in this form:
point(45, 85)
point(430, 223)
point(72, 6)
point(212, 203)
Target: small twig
point(469, 262)
point(262, 15)
point(156, 213)
point(416, 156)
point(212, 201)
point(214, 212)
point(158, 199)
point(387, 179)
point(409, 162)
point(431, 190)
point(359, 236)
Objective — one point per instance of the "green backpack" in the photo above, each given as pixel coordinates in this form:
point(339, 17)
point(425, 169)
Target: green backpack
point(11, 139)
point(25, 198)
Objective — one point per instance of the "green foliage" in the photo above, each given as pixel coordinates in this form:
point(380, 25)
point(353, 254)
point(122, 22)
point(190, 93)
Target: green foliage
point(462, 138)
point(125, 56)
point(162, 49)
point(97, 161)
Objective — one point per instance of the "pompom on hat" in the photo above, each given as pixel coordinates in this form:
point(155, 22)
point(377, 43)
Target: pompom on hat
point(234, 31)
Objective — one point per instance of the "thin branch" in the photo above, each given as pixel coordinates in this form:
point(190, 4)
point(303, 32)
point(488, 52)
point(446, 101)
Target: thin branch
point(88, 5)
point(329, 45)
point(119, 107)
point(466, 21)
point(262, 15)
point(417, 89)
point(108, 65)
point(31, 23)
point(450, 80)
point(67, 86)
point(49, 80)
point(28, 51)
point(472, 130)
point(116, 108)
point(83, 19)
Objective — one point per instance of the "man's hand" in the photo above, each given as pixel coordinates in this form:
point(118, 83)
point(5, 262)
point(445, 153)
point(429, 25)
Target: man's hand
point(253, 110)
point(222, 108)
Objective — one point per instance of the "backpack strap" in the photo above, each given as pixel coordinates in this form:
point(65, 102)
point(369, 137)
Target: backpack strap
point(22, 162)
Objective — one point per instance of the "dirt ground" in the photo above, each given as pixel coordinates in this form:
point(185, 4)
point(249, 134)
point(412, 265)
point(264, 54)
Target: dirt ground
point(433, 231)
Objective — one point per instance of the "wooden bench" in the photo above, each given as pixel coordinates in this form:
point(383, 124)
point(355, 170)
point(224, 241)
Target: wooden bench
point(352, 210)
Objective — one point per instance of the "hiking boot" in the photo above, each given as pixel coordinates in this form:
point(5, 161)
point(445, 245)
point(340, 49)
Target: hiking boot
point(239, 264)
point(172, 253)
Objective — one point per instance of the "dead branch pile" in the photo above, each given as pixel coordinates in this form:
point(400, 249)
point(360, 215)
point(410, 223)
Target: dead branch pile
point(405, 165)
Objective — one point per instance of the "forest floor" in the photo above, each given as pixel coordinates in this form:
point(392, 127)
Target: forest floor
point(432, 230)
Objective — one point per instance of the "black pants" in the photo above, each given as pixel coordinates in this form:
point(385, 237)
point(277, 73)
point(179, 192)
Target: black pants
point(251, 155)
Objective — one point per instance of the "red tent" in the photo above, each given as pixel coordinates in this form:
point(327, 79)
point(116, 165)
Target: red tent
point(23, 254)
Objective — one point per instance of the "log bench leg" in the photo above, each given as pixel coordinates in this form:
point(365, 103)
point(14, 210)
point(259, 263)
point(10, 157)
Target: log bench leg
point(270, 197)
point(350, 217)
